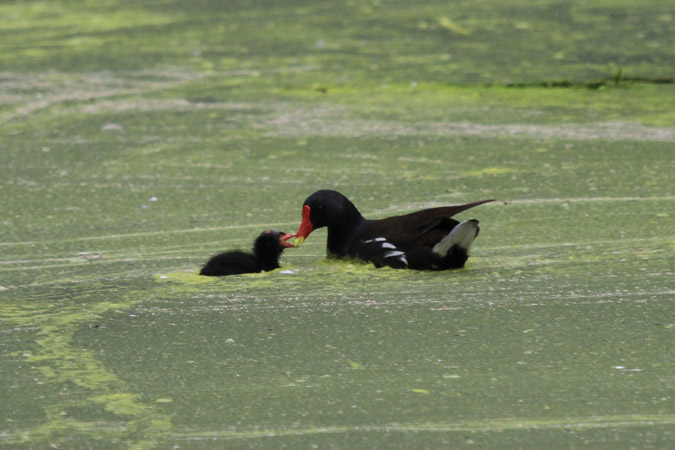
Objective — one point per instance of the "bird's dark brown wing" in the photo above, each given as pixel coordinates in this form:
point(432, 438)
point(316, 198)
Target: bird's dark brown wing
point(421, 228)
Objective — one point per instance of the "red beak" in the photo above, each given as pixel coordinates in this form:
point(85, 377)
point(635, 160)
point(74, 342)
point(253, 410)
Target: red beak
point(283, 240)
point(306, 226)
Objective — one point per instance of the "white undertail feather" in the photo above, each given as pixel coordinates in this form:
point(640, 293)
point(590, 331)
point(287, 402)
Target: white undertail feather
point(463, 235)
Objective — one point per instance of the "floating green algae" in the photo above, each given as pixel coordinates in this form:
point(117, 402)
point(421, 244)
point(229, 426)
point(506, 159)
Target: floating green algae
point(92, 398)
point(139, 141)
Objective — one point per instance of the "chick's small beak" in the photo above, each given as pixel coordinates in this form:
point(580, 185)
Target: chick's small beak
point(306, 226)
point(283, 239)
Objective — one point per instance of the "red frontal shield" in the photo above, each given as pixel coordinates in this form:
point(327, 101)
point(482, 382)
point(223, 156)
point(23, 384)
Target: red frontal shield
point(306, 226)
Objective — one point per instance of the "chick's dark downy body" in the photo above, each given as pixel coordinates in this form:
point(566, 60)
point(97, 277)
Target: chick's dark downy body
point(267, 249)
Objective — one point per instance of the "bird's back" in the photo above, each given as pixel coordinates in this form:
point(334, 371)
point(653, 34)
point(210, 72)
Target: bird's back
point(231, 263)
point(423, 228)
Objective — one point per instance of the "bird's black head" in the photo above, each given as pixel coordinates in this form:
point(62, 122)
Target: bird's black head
point(269, 246)
point(326, 208)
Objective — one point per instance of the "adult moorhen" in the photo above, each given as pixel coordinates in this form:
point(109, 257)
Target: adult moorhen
point(425, 240)
point(266, 252)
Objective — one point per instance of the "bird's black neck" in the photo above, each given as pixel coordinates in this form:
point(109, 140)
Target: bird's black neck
point(340, 238)
point(267, 251)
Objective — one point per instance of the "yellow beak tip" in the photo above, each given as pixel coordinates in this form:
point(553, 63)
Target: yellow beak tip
point(298, 241)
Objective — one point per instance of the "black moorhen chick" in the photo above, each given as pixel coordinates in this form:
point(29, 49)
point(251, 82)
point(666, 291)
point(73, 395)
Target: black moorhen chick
point(266, 252)
point(425, 240)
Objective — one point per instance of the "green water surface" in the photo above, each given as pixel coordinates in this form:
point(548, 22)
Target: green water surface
point(140, 138)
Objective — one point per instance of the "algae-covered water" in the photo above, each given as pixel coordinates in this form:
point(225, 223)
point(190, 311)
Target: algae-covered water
point(139, 139)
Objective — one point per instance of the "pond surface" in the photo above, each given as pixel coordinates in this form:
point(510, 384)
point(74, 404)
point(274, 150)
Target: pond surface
point(126, 166)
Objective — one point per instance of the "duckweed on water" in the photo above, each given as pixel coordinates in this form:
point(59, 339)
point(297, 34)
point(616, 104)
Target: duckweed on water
point(131, 157)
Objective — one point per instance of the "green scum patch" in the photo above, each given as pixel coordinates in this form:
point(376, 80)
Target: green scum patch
point(140, 140)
